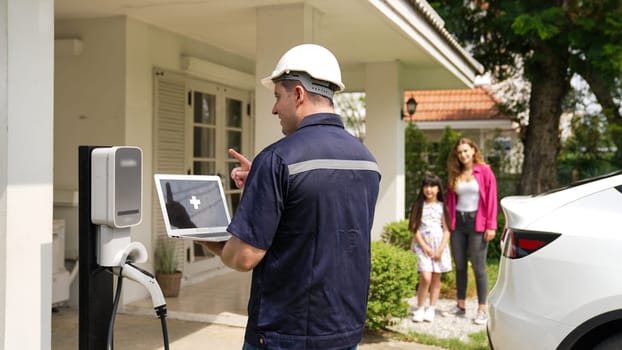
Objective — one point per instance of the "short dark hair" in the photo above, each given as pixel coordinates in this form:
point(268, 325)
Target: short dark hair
point(289, 86)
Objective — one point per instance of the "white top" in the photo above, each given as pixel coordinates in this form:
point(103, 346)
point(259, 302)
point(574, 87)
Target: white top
point(468, 195)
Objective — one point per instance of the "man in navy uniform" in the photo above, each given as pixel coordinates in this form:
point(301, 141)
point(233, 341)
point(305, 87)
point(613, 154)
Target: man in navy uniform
point(304, 222)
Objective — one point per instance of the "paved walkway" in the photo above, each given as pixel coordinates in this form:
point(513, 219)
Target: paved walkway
point(137, 332)
point(208, 315)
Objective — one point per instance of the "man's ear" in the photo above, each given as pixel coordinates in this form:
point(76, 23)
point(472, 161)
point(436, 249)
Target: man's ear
point(300, 93)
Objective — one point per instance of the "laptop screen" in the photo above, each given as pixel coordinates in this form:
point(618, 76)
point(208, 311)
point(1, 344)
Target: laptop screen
point(192, 204)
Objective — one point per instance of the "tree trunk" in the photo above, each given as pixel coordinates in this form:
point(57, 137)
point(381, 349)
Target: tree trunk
point(601, 88)
point(549, 85)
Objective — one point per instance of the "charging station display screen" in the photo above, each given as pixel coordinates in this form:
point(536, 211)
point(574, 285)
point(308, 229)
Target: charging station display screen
point(128, 188)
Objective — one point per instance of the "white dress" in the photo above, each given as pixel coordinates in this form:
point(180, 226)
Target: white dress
point(431, 231)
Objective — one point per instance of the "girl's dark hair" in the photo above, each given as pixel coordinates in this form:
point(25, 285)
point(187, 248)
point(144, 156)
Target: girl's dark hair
point(429, 179)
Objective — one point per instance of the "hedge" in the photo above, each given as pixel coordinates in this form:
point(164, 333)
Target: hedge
point(393, 279)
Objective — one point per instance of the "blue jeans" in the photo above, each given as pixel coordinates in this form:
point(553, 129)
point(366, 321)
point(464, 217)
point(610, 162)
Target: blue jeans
point(247, 346)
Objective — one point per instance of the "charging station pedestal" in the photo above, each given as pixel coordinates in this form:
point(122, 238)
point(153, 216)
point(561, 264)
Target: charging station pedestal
point(111, 202)
point(96, 284)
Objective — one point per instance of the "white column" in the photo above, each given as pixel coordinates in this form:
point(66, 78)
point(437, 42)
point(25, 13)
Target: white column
point(279, 28)
point(4, 139)
point(26, 146)
point(385, 138)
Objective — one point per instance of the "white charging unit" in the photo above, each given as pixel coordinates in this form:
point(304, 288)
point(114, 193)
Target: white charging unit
point(117, 203)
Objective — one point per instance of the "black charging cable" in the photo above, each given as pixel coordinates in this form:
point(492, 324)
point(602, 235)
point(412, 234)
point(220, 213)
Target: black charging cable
point(160, 310)
point(115, 306)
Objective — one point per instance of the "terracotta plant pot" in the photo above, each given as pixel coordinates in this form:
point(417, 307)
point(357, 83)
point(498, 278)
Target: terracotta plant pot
point(169, 283)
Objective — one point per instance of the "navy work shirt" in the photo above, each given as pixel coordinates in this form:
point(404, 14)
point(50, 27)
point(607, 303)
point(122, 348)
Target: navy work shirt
point(309, 201)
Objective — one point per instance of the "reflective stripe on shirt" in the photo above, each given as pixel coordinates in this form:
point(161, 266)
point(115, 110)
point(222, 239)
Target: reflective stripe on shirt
point(337, 164)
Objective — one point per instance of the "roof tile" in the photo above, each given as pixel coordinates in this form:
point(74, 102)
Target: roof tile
point(466, 104)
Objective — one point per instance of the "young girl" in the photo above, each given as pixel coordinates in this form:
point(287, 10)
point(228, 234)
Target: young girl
point(428, 223)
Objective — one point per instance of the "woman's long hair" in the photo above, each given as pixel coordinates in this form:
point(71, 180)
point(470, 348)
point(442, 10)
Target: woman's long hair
point(416, 210)
point(455, 167)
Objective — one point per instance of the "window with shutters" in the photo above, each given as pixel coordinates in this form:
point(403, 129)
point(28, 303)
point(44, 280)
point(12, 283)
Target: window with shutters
point(196, 122)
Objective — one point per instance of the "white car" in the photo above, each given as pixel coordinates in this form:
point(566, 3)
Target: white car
point(560, 274)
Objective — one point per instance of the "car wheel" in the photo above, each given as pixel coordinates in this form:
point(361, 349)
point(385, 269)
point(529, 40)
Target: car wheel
point(611, 343)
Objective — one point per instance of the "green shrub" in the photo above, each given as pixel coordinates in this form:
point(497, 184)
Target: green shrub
point(393, 279)
point(397, 234)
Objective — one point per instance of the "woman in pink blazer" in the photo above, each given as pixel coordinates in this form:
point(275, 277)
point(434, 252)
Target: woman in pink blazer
point(472, 205)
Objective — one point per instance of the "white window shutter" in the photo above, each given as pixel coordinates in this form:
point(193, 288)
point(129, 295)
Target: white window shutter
point(168, 139)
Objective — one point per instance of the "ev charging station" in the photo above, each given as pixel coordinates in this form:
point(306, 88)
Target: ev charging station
point(111, 202)
point(117, 203)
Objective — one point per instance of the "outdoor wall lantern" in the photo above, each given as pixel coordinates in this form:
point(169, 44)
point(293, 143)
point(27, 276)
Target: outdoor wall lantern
point(411, 106)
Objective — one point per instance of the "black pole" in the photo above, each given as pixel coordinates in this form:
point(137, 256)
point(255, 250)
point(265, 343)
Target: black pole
point(96, 285)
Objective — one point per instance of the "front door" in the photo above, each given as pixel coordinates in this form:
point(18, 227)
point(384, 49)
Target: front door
point(217, 118)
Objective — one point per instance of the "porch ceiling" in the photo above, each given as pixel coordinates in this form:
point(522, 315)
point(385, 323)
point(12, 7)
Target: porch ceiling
point(355, 30)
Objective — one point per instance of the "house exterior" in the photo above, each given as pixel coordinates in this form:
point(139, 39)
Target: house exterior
point(180, 80)
point(473, 112)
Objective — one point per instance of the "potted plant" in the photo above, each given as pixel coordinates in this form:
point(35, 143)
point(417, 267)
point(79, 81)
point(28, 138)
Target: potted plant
point(167, 274)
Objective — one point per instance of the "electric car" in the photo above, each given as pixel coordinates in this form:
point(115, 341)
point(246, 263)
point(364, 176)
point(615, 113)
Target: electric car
point(560, 274)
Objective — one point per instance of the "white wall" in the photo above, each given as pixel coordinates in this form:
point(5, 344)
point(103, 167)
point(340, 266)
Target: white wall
point(384, 101)
point(272, 43)
point(105, 97)
point(4, 154)
point(148, 47)
point(26, 143)
point(88, 107)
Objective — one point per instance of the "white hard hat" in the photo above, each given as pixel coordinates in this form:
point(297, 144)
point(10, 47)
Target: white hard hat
point(323, 75)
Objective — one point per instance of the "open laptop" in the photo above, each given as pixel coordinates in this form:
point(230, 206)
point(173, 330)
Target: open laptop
point(193, 206)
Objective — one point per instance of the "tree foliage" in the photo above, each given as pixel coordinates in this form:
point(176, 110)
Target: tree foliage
point(416, 151)
point(351, 107)
point(421, 157)
point(551, 40)
point(448, 141)
point(589, 150)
